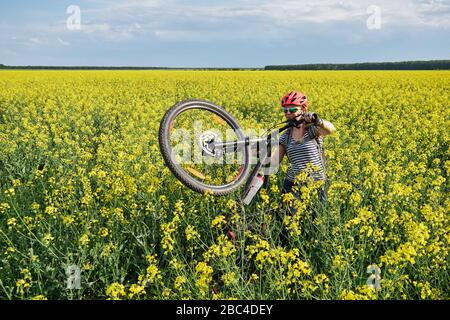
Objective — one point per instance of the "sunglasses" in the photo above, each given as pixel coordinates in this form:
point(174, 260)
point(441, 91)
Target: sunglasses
point(291, 110)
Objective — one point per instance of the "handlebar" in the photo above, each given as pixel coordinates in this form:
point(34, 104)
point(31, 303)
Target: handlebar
point(233, 145)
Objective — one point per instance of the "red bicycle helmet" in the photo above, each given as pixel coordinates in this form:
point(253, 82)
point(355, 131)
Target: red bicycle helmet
point(295, 98)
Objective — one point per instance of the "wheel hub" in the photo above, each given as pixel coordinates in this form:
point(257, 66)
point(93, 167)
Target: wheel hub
point(207, 142)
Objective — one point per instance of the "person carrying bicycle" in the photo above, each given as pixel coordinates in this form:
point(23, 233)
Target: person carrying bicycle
point(303, 144)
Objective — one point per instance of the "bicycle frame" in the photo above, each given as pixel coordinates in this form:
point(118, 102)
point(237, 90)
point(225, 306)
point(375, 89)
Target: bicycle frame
point(234, 145)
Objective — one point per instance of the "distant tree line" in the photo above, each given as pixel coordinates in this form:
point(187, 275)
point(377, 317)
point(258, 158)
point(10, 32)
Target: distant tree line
point(406, 65)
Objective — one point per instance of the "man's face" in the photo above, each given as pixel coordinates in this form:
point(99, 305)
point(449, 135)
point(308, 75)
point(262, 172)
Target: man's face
point(291, 112)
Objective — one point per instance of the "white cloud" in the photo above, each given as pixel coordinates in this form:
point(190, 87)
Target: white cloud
point(279, 11)
point(28, 41)
point(172, 20)
point(95, 28)
point(34, 40)
point(64, 43)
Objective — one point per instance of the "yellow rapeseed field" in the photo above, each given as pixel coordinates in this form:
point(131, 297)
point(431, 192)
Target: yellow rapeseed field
point(83, 186)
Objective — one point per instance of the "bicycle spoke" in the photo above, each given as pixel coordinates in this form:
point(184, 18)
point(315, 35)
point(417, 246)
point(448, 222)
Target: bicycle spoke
point(193, 138)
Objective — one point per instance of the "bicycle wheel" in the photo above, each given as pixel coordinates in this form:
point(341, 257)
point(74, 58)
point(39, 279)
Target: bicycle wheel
point(192, 134)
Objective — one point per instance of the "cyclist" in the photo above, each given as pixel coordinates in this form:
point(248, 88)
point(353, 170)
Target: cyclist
point(303, 145)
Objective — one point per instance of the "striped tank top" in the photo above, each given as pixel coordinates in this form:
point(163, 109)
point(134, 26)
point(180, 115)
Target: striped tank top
point(301, 154)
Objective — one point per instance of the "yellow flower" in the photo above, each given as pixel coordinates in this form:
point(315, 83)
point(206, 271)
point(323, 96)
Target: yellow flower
point(11, 222)
point(426, 291)
point(254, 277)
point(10, 192)
point(103, 232)
point(229, 278)
point(47, 238)
point(179, 281)
point(222, 249)
point(84, 239)
point(264, 196)
point(166, 293)
point(204, 277)
point(175, 264)
point(115, 291)
point(349, 295)
point(208, 195)
point(4, 207)
point(68, 220)
point(297, 269)
point(287, 197)
point(51, 210)
point(108, 249)
point(355, 198)
point(10, 250)
point(87, 266)
point(153, 274)
point(191, 233)
point(218, 222)
point(24, 283)
point(135, 291)
point(339, 263)
point(231, 204)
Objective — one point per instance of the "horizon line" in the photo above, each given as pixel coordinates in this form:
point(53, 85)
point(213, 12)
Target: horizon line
point(4, 66)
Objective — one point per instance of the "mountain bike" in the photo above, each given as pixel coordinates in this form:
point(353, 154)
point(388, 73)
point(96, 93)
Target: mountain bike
point(218, 158)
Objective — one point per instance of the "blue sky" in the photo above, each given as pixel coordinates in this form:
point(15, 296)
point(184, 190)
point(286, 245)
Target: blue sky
point(243, 33)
